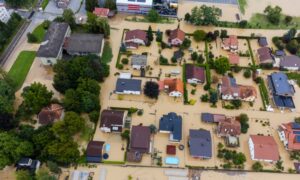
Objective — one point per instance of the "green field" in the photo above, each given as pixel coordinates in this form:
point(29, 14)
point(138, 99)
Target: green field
point(21, 67)
point(260, 21)
point(243, 4)
point(39, 32)
point(44, 4)
point(107, 53)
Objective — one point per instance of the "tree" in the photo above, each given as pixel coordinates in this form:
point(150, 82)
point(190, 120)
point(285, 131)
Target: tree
point(186, 43)
point(187, 17)
point(35, 97)
point(288, 19)
point(31, 38)
point(223, 33)
point(153, 129)
point(244, 123)
point(126, 135)
point(12, 149)
point(279, 166)
point(247, 73)
point(18, 3)
point(153, 16)
point(199, 35)
point(205, 15)
point(151, 89)
point(243, 23)
point(287, 37)
point(220, 146)
point(44, 174)
point(90, 5)
point(97, 24)
point(293, 46)
point(239, 158)
point(149, 34)
point(110, 4)
point(69, 17)
point(200, 59)
point(236, 103)
point(53, 167)
point(194, 56)
point(257, 166)
point(213, 97)
point(23, 175)
point(159, 36)
point(273, 14)
point(222, 65)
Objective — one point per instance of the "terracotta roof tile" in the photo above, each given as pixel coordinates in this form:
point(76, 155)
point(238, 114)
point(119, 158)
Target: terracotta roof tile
point(265, 147)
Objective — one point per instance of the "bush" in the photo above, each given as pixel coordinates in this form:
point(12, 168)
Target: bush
point(53, 167)
point(120, 66)
point(32, 38)
point(206, 87)
point(199, 35)
point(140, 112)
point(247, 73)
point(94, 116)
point(173, 60)
point(204, 98)
point(244, 123)
point(193, 92)
point(236, 103)
point(124, 61)
point(163, 60)
point(257, 166)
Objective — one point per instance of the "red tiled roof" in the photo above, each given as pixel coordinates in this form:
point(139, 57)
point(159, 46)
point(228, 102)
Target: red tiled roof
point(234, 58)
point(231, 41)
point(136, 34)
point(173, 85)
point(229, 126)
point(177, 33)
point(102, 12)
point(290, 135)
point(228, 87)
point(195, 72)
point(171, 149)
point(265, 147)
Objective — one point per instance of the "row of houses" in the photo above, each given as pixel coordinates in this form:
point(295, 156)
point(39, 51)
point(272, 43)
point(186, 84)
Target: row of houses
point(59, 39)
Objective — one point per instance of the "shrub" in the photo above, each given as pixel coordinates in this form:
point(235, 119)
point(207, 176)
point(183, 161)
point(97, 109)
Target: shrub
point(257, 166)
point(94, 116)
point(124, 61)
point(244, 123)
point(204, 98)
point(120, 66)
point(247, 73)
point(199, 35)
point(32, 38)
point(163, 60)
point(173, 60)
point(193, 92)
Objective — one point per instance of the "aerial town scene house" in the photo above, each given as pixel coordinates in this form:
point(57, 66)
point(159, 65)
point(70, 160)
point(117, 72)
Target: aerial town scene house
point(144, 89)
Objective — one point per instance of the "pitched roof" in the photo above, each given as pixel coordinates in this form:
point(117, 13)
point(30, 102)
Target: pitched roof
point(264, 54)
point(177, 34)
point(84, 43)
point(230, 87)
point(233, 58)
point(262, 41)
point(279, 84)
point(128, 85)
point(53, 40)
point(290, 61)
point(194, 72)
point(200, 143)
point(49, 114)
point(265, 147)
point(229, 126)
point(172, 85)
point(292, 134)
point(209, 117)
point(94, 148)
point(178, 54)
point(137, 59)
point(140, 139)
point(136, 34)
point(231, 41)
point(103, 12)
point(111, 118)
point(173, 124)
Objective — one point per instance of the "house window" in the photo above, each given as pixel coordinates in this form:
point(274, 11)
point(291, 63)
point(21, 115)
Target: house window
point(115, 128)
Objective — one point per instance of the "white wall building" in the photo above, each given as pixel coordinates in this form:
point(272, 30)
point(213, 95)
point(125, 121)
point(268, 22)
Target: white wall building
point(4, 14)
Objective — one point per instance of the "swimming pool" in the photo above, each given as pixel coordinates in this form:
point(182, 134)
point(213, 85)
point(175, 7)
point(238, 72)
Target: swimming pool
point(172, 160)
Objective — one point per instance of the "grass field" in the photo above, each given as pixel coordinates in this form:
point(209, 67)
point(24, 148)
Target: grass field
point(260, 21)
point(21, 67)
point(243, 4)
point(107, 53)
point(39, 32)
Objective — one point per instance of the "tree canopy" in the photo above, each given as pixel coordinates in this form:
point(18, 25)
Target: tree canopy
point(151, 89)
point(273, 14)
point(69, 17)
point(153, 16)
point(205, 15)
point(90, 5)
point(110, 4)
point(222, 65)
point(199, 35)
point(97, 24)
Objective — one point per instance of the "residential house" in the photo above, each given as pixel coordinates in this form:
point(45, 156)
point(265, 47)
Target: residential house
point(178, 55)
point(128, 86)
point(51, 48)
point(4, 14)
point(262, 41)
point(290, 62)
point(140, 143)
point(289, 134)
point(134, 38)
point(229, 127)
point(101, 12)
point(176, 37)
point(81, 44)
point(138, 62)
point(134, 6)
point(230, 44)
point(28, 164)
point(62, 3)
point(200, 144)
point(194, 74)
point(282, 91)
point(174, 87)
point(230, 90)
point(94, 151)
point(212, 118)
point(50, 114)
point(264, 55)
point(234, 59)
point(263, 148)
point(171, 124)
point(112, 121)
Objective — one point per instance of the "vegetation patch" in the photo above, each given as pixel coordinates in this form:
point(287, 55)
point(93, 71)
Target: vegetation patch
point(242, 4)
point(294, 76)
point(39, 33)
point(44, 4)
point(21, 67)
point(107, 53)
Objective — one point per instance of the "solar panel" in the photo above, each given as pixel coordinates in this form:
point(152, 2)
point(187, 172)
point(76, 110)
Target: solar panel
point(296, 126)
point(296, 132)
point(298, 139)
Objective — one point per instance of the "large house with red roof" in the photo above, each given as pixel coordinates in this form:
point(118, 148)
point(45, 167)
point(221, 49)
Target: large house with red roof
point(176, 37)
point(230, 90)
point(289, 134)
point(174, 87)
point(263, 148)
point(194, 74)
point(229, 127)
point(134, 38)
point(230, 44)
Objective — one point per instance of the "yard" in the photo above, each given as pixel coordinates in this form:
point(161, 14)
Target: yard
point(39, 32)
point(107, 53)
point(20, 68)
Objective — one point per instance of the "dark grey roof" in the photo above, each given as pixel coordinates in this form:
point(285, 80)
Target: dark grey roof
point(84, 43)
point(200, 143)
point(290, 61)
point(53, 40)
point(207, 117)
point(139, 60)
point(284, 102)
point(262, 41)
point(172, 123)
point(279, 53)
point(128, 85)
point(278, 83)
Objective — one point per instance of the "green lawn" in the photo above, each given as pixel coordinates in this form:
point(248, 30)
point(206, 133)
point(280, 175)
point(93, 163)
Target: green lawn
point(260, 21)
point(163, 20)
point(243, 4)
point(39, 32)
point(107, 53)
point(21, 67)
point(44, 4)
